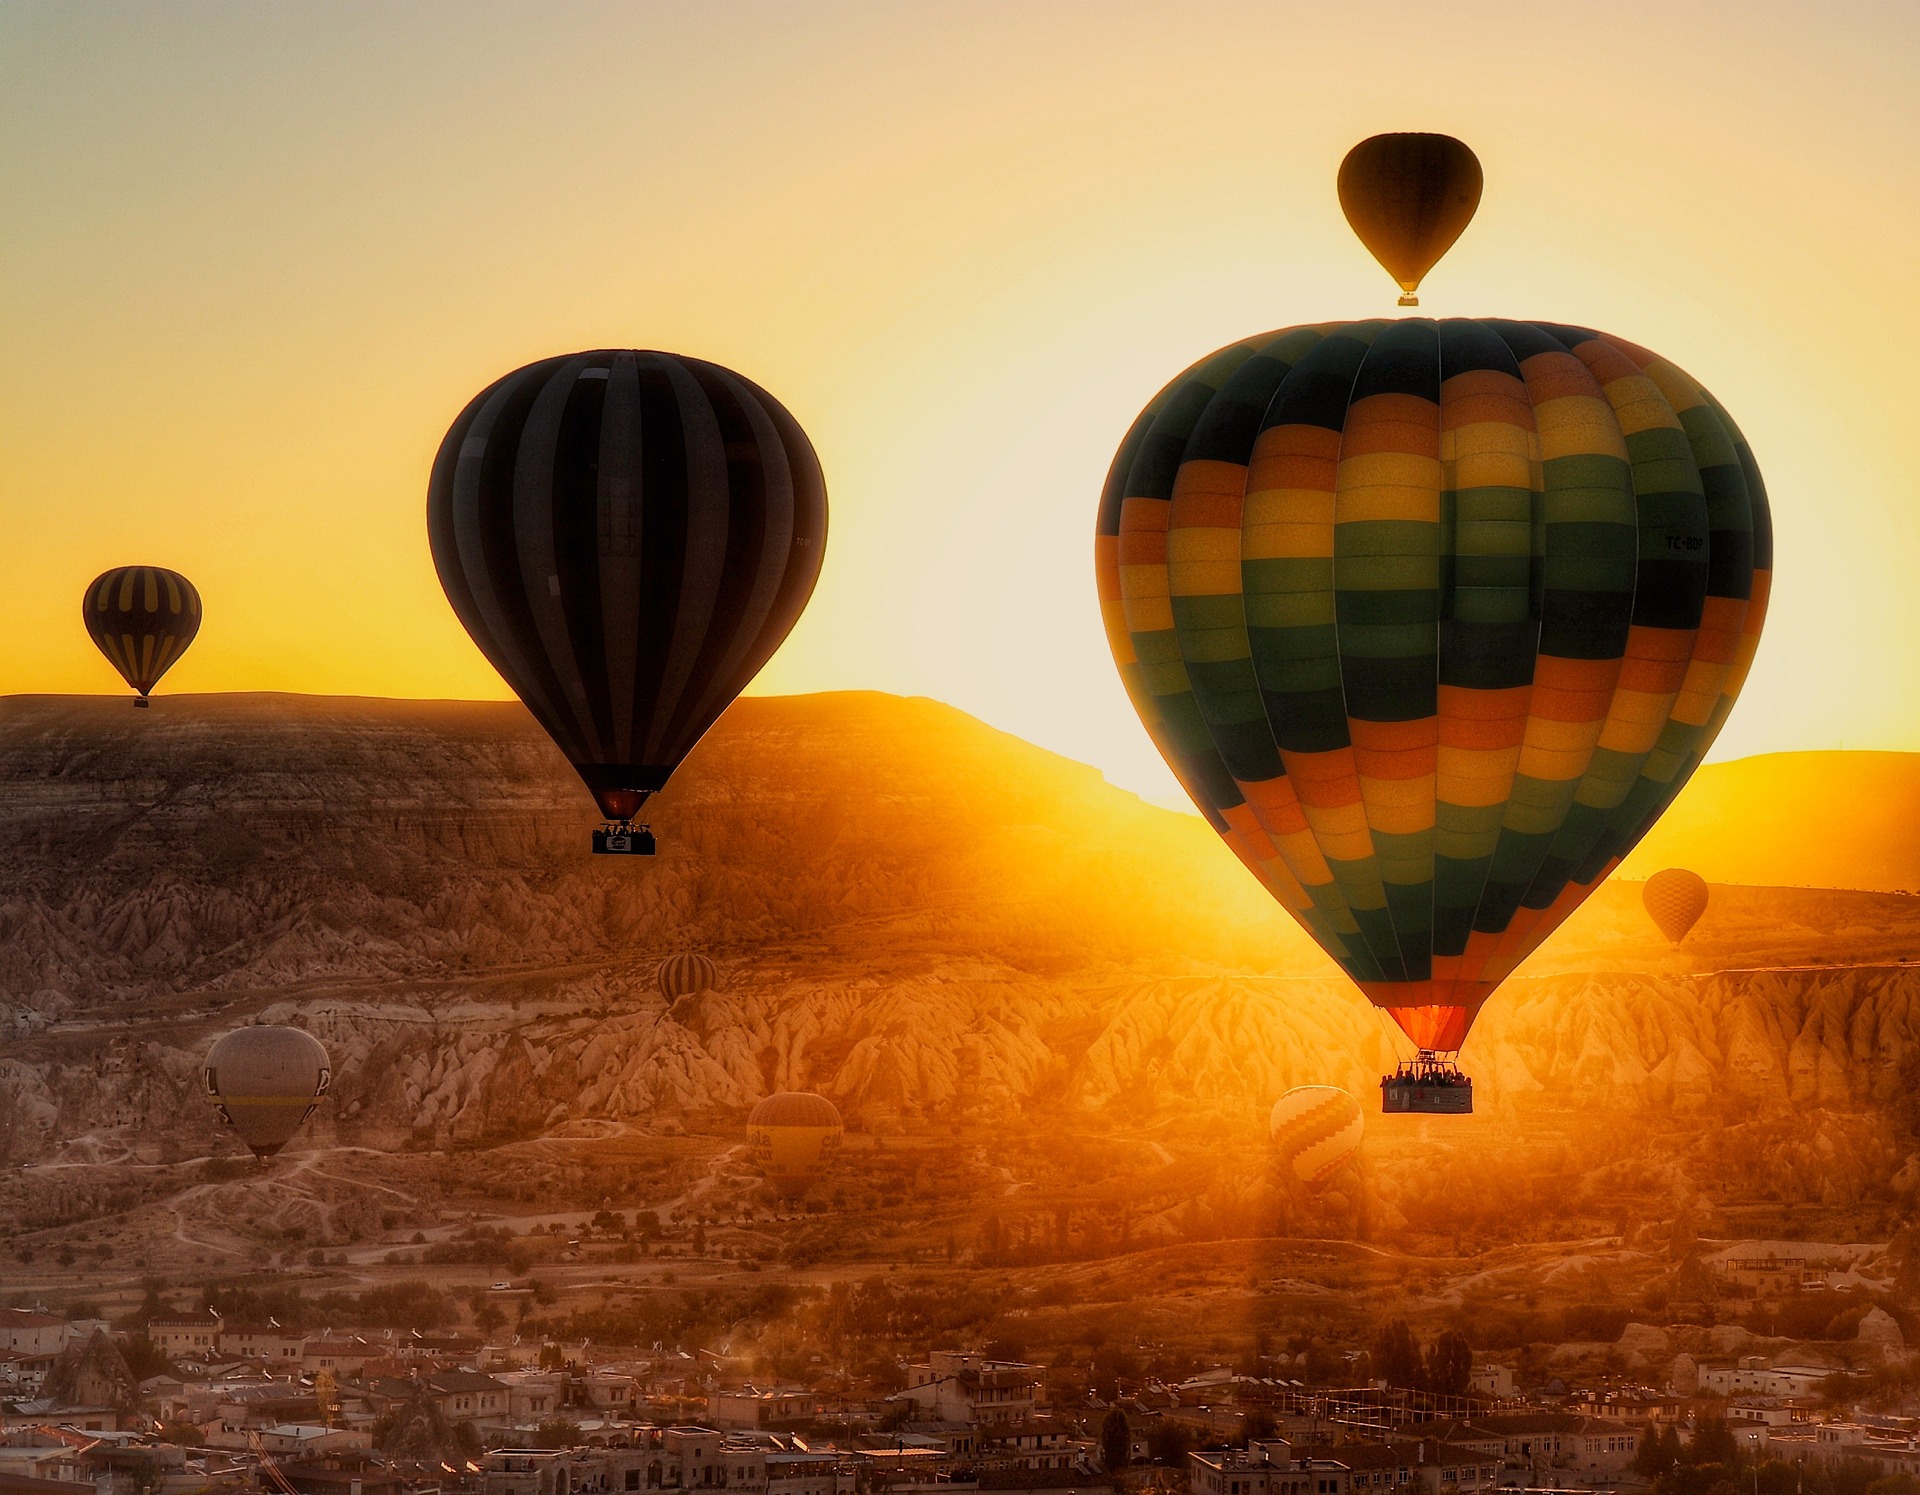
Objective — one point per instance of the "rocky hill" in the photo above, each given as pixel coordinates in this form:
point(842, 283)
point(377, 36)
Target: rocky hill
point(917, 915)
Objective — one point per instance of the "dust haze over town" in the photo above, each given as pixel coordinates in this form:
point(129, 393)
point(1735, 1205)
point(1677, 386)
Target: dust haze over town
point(1054, 1019)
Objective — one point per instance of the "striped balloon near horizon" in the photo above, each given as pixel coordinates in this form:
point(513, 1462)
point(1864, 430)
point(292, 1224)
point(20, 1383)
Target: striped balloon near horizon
point(142, 618)
point(1675, 899)
point(1433, 619)
point(1316, 1129)
point(628, 536)
point(686, 975)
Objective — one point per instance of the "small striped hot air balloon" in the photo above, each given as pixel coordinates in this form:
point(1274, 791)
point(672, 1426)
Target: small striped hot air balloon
point(142, 618)
point(1316, 1129)
point(686, 975)
point(1407, 197)
point(1675, 900)
point(265, 1081)
point(793, 1135)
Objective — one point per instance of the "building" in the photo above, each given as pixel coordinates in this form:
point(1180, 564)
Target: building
point(468, 1396)
point(342, 1474)
point(338, 1356)
point(266, 1344)
point(751, 1407)
point(1492, 1380)
point(532, 1396)
point(1752, 1376)
point(195, 1338)
point(1631, 1406)
point(1275, 1467)
point(1033, 1445)
point(966, 1387)
point(24, 1331)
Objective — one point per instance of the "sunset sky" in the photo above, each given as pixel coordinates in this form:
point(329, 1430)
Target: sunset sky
point(255, 259)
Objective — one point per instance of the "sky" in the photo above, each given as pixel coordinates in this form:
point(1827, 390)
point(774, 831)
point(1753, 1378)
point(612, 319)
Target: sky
point(254, 259)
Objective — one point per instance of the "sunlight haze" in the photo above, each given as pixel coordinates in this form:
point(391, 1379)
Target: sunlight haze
point(257, 259)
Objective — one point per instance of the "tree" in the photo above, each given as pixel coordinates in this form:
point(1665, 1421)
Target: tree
point(1449, 1364)
point(144, 1358)
point(1116, 1442)
point(1258, 1425)
point(1169, 1444)
point(1396, 1356)
point(1713, 1444)
point(557, 1432)
point(1895, 1484)
point(1658, 1452)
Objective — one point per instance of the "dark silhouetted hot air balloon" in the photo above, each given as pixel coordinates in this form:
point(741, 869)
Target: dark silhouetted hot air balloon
point(793, 1135)
point(1675, 900)
point(1433, 620)
point(142, 618)
point(686, 975)
point(1316, 1129)
point(628, 536)
point(1408, 197)
point(265, 1081)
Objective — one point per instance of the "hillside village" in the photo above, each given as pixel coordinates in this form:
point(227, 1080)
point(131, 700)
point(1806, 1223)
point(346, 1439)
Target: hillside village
point(180, 1403)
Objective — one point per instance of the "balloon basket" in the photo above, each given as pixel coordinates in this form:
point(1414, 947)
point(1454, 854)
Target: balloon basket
point(1409, 299)
point(1428, 1085)
point(623, 841)
point(142, 702)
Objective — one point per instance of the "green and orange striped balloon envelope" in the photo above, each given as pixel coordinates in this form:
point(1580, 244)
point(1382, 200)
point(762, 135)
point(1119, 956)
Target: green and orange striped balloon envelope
point(142, 618)
point(1433, 619)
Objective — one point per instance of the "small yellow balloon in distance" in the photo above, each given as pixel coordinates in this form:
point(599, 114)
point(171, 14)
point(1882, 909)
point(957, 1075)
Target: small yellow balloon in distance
point(1408, 197)
point(1316, 1130)
point(265, 1081)
point(793, 1135)
point(1675, 900)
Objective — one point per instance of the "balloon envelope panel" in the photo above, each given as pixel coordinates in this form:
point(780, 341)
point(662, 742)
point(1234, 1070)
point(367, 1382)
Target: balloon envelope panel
point(1675, 899)
point(1433, 620)
point(1316, 1129)
point(265, 1081)
point(793, 1136)
point(628, 536)
point(142, 618)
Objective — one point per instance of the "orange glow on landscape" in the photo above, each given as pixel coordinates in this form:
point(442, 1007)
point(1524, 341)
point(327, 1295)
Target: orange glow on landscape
point(258, 259)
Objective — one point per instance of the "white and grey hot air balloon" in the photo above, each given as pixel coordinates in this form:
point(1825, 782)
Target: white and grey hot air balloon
point(265, 1081)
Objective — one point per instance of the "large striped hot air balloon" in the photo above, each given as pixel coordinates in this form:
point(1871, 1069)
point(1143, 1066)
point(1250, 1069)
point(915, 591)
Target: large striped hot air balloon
point(265, 1081)
point(142, 618)
point(686, 975)
point(628, 536)
point(1675, 899)
point(1433, 620)
point(793, 1135)
point(1316, 1129)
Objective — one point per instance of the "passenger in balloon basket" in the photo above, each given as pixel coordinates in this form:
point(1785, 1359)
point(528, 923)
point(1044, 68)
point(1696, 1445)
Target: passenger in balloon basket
point(1431, 1083)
